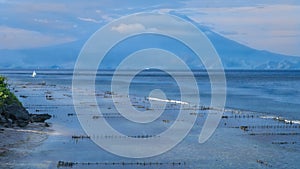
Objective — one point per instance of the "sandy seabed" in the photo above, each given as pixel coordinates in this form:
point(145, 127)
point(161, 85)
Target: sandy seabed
point(17, 143)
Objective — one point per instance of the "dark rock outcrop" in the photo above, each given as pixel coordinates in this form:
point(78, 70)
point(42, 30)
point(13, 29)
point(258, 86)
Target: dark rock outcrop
point(16, 115)
point(16, 112)
point(40, 118)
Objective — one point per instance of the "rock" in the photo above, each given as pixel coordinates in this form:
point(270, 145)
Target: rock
point(245, 128)
point(49, 97)
point(23, 96)
point(7, 125)
point(46, 124)
point(21, 123)
point(224, 117)
point(39, 117)
point(16, 112)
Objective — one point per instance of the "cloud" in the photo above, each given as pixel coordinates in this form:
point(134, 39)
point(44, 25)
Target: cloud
point(89, 20)
point(49, 6)
point(16, 38)
point(45, 21)
point(235, 3)
point(266, 27)
point(107, 18)
point(128, 28)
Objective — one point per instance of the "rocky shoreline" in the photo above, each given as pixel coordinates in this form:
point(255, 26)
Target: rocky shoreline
point(12, 112)
point(15, 115)
point(20, 131)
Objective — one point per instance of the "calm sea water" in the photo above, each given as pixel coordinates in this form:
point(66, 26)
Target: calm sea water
point(272, 92)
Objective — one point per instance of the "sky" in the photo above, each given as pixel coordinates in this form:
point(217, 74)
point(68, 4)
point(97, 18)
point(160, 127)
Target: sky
point(270, 25)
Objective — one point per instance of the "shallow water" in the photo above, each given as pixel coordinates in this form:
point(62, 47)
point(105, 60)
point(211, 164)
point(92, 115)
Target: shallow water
point(263, 145)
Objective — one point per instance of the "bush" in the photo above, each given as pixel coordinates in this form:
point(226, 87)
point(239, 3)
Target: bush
point(3, 82)
point(6, 97)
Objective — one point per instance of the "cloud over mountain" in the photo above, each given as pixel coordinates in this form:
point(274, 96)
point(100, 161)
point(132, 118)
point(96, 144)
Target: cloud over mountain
point(51, 33)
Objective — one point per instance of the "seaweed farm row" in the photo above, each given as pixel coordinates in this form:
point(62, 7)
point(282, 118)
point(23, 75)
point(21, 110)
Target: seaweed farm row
point(71, 164)
point(113, 136)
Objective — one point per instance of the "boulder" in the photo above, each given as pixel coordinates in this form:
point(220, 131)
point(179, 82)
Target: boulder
point(16, 115)
point(40, 118)
point(22, 123)
point(16, 112)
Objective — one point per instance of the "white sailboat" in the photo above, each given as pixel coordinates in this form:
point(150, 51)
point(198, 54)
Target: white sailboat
point(33, 74)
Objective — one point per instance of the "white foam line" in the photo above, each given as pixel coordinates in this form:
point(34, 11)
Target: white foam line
point(296, 121)
point(292, 121)
point(224, 110)
point(168, 101)
point(34, 131)
point(268, 117)
point(281, 119)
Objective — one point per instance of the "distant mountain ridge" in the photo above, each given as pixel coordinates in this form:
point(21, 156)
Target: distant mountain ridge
point(232, 54)
point(238, 56)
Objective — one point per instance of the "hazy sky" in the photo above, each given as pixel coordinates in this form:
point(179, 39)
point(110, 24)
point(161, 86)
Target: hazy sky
point(271, 25)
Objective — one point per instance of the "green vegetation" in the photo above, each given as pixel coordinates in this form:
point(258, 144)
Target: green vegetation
point(12, 112)
point(6, 97)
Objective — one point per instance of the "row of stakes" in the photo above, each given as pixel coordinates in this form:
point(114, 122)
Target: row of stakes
point(71, 164)
point(273, 126)
point(246, 128)
point(113, 136)
point(274, 134)
point(284, 142)
point(240, 116)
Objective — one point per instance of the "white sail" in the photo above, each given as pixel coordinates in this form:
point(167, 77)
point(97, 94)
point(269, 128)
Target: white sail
point(33, 74)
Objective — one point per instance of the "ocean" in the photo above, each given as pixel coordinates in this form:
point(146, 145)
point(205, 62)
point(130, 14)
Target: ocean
point(273, 92)
point(251, 95)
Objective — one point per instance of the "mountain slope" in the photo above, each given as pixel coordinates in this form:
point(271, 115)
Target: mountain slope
point(238, 56)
